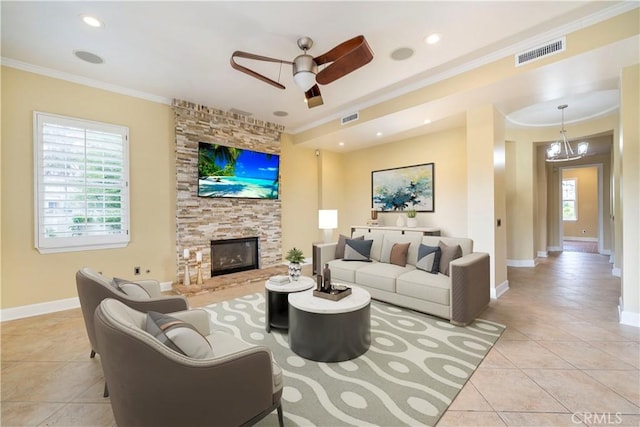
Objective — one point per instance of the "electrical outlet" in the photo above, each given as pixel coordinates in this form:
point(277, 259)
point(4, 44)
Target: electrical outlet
point(136, 271)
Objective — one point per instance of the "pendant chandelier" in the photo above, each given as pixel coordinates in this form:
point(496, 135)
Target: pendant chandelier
point(561, 151)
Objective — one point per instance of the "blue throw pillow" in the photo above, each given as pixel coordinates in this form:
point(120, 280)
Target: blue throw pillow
point(429, 258)
point(357, 250)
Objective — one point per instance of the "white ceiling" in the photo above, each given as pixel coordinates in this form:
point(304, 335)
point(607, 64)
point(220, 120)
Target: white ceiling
point(165, 50)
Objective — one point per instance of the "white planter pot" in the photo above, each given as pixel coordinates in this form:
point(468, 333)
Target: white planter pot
point(294, 271)
point(412, 222)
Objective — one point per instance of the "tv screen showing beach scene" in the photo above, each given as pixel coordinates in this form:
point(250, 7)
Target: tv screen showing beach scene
point(225, 171)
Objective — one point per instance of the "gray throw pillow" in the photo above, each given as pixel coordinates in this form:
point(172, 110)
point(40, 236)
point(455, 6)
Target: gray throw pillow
point(342, 241)
point(449, 253)
point(178, 335)
point(357, 250)
point(429, 258)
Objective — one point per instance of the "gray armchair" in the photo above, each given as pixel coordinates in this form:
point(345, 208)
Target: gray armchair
point(153, 385)
point(94, 287)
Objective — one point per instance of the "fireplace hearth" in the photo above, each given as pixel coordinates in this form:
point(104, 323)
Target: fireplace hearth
point(234, 255)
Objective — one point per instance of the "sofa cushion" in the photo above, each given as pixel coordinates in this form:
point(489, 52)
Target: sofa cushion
point(345, 271)
point(448, 254)
point(394, 253)
point(342, 241)
point(357, 250)
point(428, 258)
point(380, 275)
point(419, 284)
point(178, 335)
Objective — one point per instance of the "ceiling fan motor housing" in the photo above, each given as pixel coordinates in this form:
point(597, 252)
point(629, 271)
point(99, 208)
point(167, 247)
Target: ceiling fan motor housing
point(304, 71)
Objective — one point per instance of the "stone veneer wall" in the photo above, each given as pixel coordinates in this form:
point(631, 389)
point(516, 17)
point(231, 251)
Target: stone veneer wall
point(200, 220)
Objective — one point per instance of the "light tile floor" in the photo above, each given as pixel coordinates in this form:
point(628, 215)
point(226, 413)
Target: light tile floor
point(564, 359)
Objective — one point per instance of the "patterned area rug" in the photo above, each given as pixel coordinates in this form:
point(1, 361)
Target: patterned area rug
point(415, 367)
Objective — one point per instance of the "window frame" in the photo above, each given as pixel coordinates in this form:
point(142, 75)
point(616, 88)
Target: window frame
point(108, 240)
point(574, 200)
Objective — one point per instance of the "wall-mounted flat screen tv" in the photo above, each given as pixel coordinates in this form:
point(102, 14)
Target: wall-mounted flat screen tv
point(225, 171)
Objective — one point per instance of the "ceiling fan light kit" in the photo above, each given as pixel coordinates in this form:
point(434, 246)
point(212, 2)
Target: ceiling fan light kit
point(343, 59)
point(561, 151)
point(304, 72)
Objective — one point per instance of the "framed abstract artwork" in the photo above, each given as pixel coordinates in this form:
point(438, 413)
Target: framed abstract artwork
point(409, 187)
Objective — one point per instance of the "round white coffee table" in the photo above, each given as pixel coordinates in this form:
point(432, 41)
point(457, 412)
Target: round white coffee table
point(277, 305)
point(330, 331)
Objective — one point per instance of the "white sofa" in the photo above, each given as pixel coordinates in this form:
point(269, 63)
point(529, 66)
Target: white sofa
point(458, 297)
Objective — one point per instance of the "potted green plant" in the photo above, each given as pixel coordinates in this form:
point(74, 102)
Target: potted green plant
point(411, 218)
point(295, 258)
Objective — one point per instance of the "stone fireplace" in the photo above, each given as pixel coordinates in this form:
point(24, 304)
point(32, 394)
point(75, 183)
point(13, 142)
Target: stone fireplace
point(201, 220)
point(234, 255)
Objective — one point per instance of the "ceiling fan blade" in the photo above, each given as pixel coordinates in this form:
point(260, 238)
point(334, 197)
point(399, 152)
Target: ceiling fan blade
point(348, 56)
point(313, 97)
point(236, 66)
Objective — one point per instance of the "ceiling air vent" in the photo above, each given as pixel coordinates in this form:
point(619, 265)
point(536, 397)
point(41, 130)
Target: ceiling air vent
point(350, 118)
point(548, 49)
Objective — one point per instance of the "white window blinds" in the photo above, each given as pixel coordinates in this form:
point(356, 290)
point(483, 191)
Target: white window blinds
point(81, 184)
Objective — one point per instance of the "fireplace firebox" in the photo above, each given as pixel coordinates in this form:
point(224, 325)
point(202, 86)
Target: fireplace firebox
point(234, 255)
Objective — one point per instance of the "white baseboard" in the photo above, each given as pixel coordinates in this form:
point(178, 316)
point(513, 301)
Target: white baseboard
point(606, 252)
point(521, 263)
point(31, 310)
point(499, 290)
point(616, 272)
point(543, 254)
point(580, 239)
point(38, 309)
point(554, 249)
point(628, 317)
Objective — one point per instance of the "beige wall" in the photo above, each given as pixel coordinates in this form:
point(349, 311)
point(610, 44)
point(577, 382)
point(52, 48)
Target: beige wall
point(299, 193)
point(29, 277)
point(586, 225)
point(520, 203)
point(445, 149)
point(630, 194)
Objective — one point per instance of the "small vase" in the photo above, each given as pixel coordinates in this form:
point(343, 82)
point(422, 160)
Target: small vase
point(400, 221)
point(294, 271)
point(412, 222)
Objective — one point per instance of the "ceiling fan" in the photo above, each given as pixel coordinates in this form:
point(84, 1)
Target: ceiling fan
point(343, 59)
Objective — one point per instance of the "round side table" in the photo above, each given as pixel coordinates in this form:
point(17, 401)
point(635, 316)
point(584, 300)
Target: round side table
point(330, 331)
point(277, 303)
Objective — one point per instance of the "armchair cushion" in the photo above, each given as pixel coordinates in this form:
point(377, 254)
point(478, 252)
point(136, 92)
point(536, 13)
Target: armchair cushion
point(131, 289)
point(178, 335)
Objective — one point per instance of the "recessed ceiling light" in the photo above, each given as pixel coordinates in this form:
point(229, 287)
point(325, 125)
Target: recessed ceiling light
point(402, 53)
point(88, 57)
point(341, 144)
point(280, 113)
point(427, 121)
point(92, 21)
point(432, 38)
point(379, 134)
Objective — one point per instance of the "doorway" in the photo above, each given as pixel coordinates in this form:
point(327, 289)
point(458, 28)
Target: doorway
point(581, 209)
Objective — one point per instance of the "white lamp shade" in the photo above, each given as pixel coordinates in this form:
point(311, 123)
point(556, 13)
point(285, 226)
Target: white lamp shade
point(305, 80)
point(327, 219)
